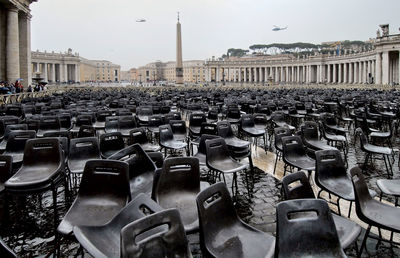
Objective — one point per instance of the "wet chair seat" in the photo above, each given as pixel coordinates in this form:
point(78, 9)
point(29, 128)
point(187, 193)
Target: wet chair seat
point(223, 233)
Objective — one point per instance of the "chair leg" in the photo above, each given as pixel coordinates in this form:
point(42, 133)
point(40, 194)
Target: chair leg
point(351, 204)
point(276, 161)
point(364, 241)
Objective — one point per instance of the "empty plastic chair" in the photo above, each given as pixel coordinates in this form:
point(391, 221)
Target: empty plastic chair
point(138, 135)
point(177, 187)
point(86, 131)
point(202, 151)
point(103, 192)
point(126, 124)
point(225, 131)
point(306, 236)
point(110, 143)
point(48, 124)
point(139, 239)
point(105, 240)
point(141, 168)
point(295, 155)
point(8, 130)
point(168, 141)
point(223, 233)
point(16, 145)
point(6, 170)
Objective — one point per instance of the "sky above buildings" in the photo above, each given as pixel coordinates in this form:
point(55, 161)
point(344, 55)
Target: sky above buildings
point(107, 29)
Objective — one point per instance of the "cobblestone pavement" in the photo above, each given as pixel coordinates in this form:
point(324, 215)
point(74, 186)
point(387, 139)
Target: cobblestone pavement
point(29, 230)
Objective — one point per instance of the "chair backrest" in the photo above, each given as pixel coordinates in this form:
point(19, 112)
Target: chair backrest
point(43, 151)
point(111, 141)
point(165, 133)
point(155, 120)
point(138, 160)
point(111, 124)
point(5, 168)
point(16, 127)
point(260, 119)
point(17, 140)
point(178, 126)
point(65, 120)
point(127, 122)
point(247, 120)
point(83, 120)
point(216, 210)
point(179, 174)
point(309, 130)
point(138, 241)
point(202, 145)
point(196, 119)
point(296, 186)
point(280, 132)
point(106, 178)
point(66, 134)
point(84, 148)
point(138, 135)
point(224, 129)
point(216, 150)
point(329, 164)
point(144, 111)
point(86, 131)
point(157, 158)
point(292, 146)
point(313, 235)
point(102, 114)
point(361, 192)
point(208, 128)
point(49, 123)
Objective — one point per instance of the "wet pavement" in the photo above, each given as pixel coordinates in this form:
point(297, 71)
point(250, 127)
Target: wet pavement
point(29, 228)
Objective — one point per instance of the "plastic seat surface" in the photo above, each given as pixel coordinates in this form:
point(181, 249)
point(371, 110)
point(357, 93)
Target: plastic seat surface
point(389, 186)
point(295, 155)
point(103, 192)
point(16, 144)
point(105, 241)
point(43, 162)
point(81, 150)
point(222, 232)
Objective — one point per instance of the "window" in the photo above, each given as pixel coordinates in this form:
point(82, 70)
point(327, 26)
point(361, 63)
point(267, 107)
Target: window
point(116, 72)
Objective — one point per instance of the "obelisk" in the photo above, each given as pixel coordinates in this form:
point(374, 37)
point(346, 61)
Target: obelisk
point(179, 66)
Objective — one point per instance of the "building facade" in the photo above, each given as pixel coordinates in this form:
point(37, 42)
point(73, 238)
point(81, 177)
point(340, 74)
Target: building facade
point(56, 67)
point(15, 40)
point(379, 65)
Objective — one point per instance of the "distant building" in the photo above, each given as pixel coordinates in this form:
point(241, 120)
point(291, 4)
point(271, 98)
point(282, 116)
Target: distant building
point(129, 76)
point(69, 67)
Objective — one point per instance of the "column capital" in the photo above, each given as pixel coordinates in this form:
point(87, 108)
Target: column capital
point(13, 9)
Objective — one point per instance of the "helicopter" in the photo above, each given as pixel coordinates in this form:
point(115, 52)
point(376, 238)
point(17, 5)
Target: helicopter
point(141, 20)
point(276, 28)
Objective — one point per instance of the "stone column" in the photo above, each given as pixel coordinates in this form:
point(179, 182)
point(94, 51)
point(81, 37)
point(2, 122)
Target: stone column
point(345, 73)
point(282, 74)
point(66, 73)
point(240, 74)
point(385, 67)
point(255, 74)
point(24, 27)
point(365, 79)
point(53, 73)
point(76, 73)
point(12, 46)
point(45, 77)
point(276, 74)
point(334, 73)
point(329, 73)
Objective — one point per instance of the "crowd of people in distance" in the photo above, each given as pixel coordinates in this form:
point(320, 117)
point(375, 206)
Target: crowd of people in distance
point(17, 87)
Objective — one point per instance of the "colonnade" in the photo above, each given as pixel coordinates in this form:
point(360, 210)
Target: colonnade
point(56, 72)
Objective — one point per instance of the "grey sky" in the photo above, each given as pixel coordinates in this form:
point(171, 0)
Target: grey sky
point(106, 29)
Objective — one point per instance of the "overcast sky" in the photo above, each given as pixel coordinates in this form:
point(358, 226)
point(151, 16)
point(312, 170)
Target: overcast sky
point(107, 29)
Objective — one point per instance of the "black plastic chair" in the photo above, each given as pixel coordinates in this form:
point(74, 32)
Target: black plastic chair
point(311, 236)
point(225, 131)
point(179, 129)
point(110, 143)
point(65, 121)
point(248, 127)
point(138, 135)
point(138, 238)
point(177, 187)
point(309, 135)
point(168, 141)
point(101, 119)
point(295, 155)
point(143, 113)
point(8, 130)
point(218, 159)
point(371, 150)
point(279, 133)
point(126, 124)
point(43, 169)
point(202, 151)
point(195, 121)
point(111, 125)
point(157, 158)
point(48, 124)
point(141, 168)
point(103, 192)
point(223, 233)
point(86, 131)
point(105, 240)
point(16, 145)
point(81, 120)
point(371, 211)
point(297, 186)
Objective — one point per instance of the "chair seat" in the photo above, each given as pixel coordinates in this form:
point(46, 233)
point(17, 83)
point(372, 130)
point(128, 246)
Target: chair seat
point(236, 142)
point(108, 153)
point(240, 240)
point(40, 133)
point(89, 212)
point(253, 131)
point(201, 157)
point(17, 157)
point(3, 145)
point(99, 125)
point(383, 215)
point(318, 145)
point(389, 187)
point(335, 138)
point(348, 231)
point(284, 124)
point(380, 134)
point(142, 184)
point(228, 166)
point(180, 137)
point(125, 132)
point(302, 162)
point(377, 149)
point(150, 147)
point(173, 144)
point(76, 166)
point(195, 130)
point(340, 186)
point(33, 177)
